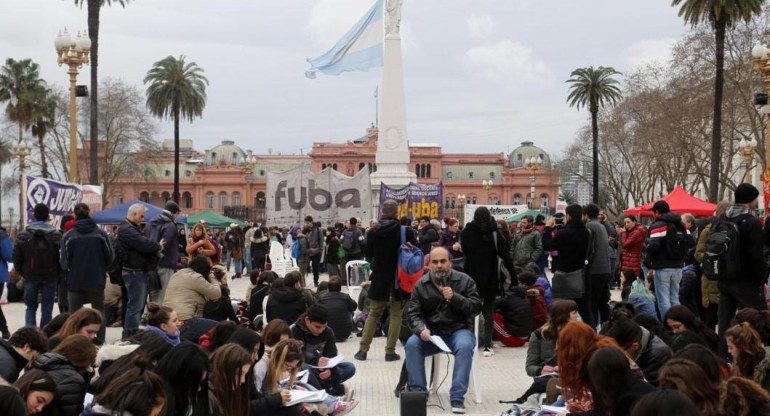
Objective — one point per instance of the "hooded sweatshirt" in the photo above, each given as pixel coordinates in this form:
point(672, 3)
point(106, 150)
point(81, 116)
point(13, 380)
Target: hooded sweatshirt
point(285, 303)
point(86, 251)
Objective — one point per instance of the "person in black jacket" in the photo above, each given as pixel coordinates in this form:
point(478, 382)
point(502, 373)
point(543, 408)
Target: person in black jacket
point(615, 389)
point(319, 345)
point(340, 307)
point(745, 290)
point(69, 364)
point(483, 245)
point(426, 234)
point(86, 251)
point(286, 300)
point(222, 308)
point(646, 349)
point(516, 313)
point(382, 247)
point(572, 244)
point(137, 254)
point(25, 345)
point(443, 303)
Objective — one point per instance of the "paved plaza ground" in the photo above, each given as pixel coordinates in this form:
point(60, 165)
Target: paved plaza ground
point(502, 376)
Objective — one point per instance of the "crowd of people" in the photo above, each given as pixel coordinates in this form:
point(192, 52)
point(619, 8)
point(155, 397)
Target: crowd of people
point(689, 333)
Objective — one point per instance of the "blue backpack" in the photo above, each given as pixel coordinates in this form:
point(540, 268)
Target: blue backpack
point(295, 249)
point(411, 265)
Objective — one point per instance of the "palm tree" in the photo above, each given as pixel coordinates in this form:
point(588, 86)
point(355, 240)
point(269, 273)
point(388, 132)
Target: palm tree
point(43, 119)
point(593, 88)
point(720, 14)
point(94, 8)
point(177, 89)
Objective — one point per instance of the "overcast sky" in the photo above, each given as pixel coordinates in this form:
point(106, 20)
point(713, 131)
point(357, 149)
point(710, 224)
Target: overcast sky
point(480, 76)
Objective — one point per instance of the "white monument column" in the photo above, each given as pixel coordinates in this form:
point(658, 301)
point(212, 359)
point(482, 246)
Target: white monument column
point(392, 155)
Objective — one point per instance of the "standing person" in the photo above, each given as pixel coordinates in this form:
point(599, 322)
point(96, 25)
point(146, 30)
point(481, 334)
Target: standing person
point(664, 258)
point(572, 244)
point(710, 288)
point(248, 235)
point(316, 247)
point(303, 260)
point(483, 245)
point(237, 240)
point(450, 240)
point(427, 234)
point(86, 251)
point(199, 243)
point(746, 289)
point(35, 258)
point(6, 255)
point(613, 236)
point(382, 247)
point(260, 246)
point(163, 227)
point(527, 245)
point(599, 269)
point(443, 303)
point(61, 290)
point(632, 237)
point(352, 241)
point(137, 255)
point(331, 256)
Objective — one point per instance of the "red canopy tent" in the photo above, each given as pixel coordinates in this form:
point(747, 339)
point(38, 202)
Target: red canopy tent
point(680, 202)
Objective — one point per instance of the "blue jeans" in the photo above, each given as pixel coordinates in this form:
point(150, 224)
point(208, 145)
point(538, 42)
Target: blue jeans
point(229, 257)
point(238, 266)
point(47, 291)
point(136, 282)
point(348, 371)
point(667, 289)
point(247, 259)
point(461, 342)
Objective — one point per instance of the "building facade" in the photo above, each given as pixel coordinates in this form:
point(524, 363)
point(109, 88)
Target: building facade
point(232, 181)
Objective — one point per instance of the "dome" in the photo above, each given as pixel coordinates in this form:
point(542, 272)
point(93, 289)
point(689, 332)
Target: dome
point(527, 150)
point(227, 151)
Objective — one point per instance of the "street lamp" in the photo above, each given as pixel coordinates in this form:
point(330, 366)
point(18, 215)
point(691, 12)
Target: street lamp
point(74, 53)
point(251, 160)
point(22, 150)
point(487, 184)
point(532, 164)
point(461, 204)
point(746, 148)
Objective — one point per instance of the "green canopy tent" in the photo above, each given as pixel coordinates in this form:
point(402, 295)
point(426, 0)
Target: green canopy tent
point(532, 212)
point(212, 220)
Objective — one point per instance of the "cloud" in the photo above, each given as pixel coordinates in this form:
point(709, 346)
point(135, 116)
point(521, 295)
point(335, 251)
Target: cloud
point(649, 51)
point(330, 19)
point(507, 61)
point(480, 26)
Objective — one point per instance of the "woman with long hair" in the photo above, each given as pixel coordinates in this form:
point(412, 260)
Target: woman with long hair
point(541, 350)
point(750, 359)
point(742, 397)
point(450, 240)
point(163, 321)
point(614, 388)
point(137, 392)
point(275, 331)
point(36, 389)
point(199, 243)
point(185, 371)
point(715, 369)
point(69, 365)
point(84, 321)
point(688, 378)
point(680, 318)
point(759, 320)
point(228, 390)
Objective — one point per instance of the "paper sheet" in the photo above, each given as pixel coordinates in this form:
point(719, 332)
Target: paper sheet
point(553, 409)
point(305, 396)
point(332, 362)
point(302, 377)
point(436, 340)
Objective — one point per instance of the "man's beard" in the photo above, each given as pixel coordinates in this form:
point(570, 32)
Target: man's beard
point(439, 276)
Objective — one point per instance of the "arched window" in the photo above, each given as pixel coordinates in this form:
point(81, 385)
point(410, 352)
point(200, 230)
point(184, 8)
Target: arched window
point(213, 157)
point(234, 160)
point(144, 196)
point(361, 166)
point(427, 174)
point(543, 200)
point(117, 200)
point(165, 197)
point(323, 166)
point(517, 199)
point(236, 199)
point(260, 200)
point(473, 200)
point(334, 166)
point(187, 200)
point(222, 200)
point(209, 200)
point(446, 203)
point(453, 203)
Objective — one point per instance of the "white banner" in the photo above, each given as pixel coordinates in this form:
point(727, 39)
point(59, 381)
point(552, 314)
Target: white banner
point(327, 196)
point(500, 212)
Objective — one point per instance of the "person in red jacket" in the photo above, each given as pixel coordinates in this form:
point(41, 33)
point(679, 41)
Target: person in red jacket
point(632, 236)
point(536, 297)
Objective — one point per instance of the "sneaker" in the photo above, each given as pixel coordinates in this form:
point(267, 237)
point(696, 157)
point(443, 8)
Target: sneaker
point(392, 356)
point(345, 407)
point(360, 356)
point(349, 392)
point(458, 407)
point(488, 352)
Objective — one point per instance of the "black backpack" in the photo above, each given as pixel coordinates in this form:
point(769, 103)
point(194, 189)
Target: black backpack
point(349, 242)
point(41, 255)
point(722, 257)
point(678, 242)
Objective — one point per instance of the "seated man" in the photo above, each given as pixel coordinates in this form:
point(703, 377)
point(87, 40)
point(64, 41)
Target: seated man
point(319, 346)
point(26, 344)
point(443, 303)
point(340, 307)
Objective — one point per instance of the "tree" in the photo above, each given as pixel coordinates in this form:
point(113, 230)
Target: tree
point(720, 14)
point(593, 88)
point(94, 9)
point(177, 89)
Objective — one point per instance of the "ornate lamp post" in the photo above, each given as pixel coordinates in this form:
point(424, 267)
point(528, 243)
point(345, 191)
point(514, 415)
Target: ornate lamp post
point(251, 160)
point(487, 185)
point(532, 164)
point(74, 53)
point(746, 149)
point(461, 204)
point(22, 150)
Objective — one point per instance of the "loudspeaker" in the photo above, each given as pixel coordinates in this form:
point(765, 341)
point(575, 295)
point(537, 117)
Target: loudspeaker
point(414, 403)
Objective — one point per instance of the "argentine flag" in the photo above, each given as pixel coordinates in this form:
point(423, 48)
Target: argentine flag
point(359, 50)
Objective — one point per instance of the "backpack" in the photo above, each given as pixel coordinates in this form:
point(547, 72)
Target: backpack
point(411, 265)
point(41, 253)
point(722, 257)
point(349, 242)
point(678, 242)
point(295, 252)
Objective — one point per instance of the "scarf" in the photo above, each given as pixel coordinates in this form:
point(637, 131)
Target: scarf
point(171, 339)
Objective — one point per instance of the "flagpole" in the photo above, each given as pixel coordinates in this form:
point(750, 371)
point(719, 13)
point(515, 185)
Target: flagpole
point(376, 108)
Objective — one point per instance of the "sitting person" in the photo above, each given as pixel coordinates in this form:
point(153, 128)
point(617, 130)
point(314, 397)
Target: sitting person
point(69, 365)
point(340, 307)
point(645, 286)
point(136, 392)
point(286, 302)
point(640, 301)
point(646, 349)
point(220, 309)
point(84, 321)
point(34, 391)
point(542, 280)
point(443, 303)
point(513, 317)
point(614, 388)
point(680, 319)
point(26, 344)
point(318, 345)
point(187, 293)
point(262, 288)
point(163, 321)
point(536, 297)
